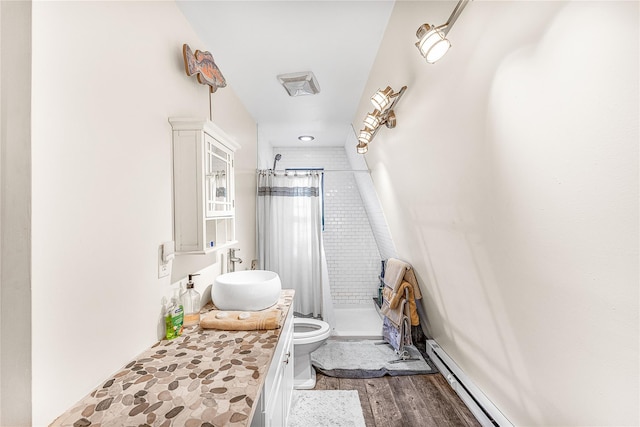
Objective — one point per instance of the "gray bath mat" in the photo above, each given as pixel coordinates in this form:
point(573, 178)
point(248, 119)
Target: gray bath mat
point(366, 359)
point(326, 408)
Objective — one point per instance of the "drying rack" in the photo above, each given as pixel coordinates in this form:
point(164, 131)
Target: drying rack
point(405, 329)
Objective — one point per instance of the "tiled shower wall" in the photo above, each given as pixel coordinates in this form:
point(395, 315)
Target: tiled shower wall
point(352, 254)
point(371, 202)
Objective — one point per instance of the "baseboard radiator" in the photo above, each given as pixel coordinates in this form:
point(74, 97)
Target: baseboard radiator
point(480, 406)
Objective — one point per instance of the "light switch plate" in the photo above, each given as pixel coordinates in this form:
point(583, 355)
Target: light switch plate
point(164, 268)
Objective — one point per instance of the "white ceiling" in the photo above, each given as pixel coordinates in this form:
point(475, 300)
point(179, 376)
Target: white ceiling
point(254, 41)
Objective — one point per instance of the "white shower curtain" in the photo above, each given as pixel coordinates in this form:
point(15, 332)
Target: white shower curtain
point(290, 234)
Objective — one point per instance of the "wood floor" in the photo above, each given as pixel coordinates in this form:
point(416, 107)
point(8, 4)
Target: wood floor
point(405, 401)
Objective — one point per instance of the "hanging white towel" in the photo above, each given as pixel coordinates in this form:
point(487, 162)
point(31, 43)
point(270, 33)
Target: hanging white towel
point(394, 273)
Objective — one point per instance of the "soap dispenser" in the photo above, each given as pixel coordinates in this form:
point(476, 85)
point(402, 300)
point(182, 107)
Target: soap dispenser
point(191, 303)
point(174, 318)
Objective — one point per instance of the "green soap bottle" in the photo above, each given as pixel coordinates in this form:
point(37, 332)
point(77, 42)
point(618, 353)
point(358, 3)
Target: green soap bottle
point(174, 318)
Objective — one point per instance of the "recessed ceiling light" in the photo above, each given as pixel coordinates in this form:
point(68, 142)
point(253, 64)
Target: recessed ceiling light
point(306, 138)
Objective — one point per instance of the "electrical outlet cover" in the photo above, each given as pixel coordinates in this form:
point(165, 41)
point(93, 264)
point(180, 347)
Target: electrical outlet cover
point(164, 268)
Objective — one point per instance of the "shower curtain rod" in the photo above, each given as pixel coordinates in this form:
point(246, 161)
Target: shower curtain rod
point(316, 170)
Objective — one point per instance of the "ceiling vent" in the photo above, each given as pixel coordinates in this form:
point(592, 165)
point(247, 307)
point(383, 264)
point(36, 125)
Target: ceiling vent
point(298, 84)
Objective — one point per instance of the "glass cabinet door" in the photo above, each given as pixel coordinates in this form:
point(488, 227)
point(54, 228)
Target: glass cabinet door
point(218, 179)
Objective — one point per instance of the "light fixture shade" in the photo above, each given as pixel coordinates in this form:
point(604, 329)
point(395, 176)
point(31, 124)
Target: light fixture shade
point(382, 98)
point(432, 44)
point(365, 136)
point(372, 120)
point(362, 148)
point(306, 138)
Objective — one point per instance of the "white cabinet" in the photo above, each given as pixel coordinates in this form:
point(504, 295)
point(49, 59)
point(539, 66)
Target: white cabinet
point(203, 186)
point(275, 400)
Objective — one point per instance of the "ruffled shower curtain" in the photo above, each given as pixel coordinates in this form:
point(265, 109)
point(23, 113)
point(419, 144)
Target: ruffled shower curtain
point(289, 226)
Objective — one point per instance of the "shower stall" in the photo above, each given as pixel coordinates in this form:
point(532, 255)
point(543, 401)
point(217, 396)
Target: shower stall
point(353, 248)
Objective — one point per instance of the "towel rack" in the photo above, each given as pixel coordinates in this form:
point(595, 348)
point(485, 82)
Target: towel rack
point(405, 332)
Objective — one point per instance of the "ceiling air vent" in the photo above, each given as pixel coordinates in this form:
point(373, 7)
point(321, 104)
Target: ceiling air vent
point(298, 84)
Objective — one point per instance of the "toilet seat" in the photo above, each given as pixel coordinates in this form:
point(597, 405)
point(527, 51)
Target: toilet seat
point(321, 330)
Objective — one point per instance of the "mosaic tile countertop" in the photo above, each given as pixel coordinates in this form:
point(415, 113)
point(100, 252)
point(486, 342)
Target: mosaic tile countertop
point(204, 378)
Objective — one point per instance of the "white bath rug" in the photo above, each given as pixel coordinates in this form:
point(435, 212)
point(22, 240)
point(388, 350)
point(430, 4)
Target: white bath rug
point(326, 408)
point(367, 359)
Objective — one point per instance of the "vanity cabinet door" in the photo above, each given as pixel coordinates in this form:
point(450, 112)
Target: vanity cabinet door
point(218, 178)
point(274, 414)
point(275, 400)
point(287, 383)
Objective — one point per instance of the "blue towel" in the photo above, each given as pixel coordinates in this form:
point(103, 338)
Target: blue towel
point(391, 334)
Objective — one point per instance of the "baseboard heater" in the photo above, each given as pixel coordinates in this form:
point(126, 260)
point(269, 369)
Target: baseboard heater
point(480, 406)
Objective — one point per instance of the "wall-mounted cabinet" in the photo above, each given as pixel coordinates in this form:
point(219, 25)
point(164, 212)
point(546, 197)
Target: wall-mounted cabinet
point(203, 186)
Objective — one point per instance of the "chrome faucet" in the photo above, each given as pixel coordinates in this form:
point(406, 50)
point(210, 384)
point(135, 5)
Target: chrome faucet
point(233, 259)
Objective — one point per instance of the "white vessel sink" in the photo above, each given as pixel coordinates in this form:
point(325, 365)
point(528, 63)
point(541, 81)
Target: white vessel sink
point(249, 290)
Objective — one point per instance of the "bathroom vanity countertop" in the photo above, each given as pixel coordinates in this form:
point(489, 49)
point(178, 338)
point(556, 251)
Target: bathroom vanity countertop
point(203, 378)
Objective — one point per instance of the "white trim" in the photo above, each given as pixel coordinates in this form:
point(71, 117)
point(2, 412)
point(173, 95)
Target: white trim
point(181, 123)
point(487, 414)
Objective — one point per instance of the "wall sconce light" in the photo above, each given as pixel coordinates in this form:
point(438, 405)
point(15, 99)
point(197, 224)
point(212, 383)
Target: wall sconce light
point(372, 120)
point(382, 98)
point(383, 101)
point(365, 136)
point(362, 148)
point(433, 43)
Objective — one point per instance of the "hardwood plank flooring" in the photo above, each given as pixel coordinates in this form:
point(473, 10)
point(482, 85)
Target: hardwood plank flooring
point(405, 401)
point(353, 384)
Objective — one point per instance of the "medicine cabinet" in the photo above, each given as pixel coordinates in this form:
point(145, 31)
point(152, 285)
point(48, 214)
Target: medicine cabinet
point(203, 186)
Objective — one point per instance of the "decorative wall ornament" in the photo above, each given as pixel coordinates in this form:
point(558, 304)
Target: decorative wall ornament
point(203, 66)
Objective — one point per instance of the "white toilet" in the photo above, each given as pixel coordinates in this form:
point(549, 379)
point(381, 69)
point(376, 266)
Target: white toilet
point(308, 335)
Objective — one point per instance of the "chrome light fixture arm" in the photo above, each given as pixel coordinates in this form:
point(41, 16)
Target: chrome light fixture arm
point(389, 117)
point(457, 11)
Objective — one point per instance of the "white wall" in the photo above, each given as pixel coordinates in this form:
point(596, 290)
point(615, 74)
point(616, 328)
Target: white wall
point(230, 115)
point(371, 202)
point(107, 75)
point(15, 207)
point(1, 204)
point(511, 184)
